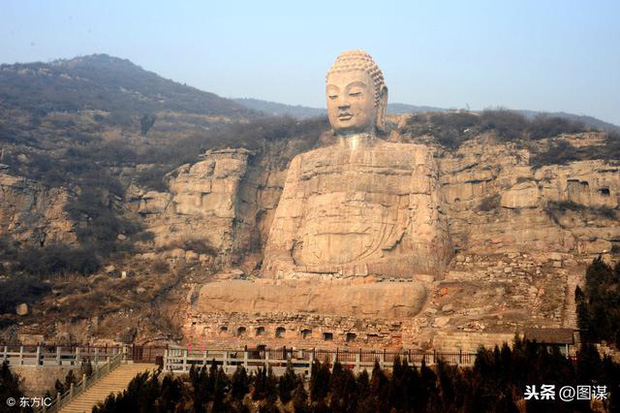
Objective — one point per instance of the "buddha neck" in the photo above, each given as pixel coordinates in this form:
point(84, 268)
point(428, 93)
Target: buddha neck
point(356, 141)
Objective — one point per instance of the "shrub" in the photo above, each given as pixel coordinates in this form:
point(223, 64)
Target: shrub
point(559, 152)
point(555, 209)
point(490, 203)
point(146, 122)
point(21, 289)
point(545, 126)
point(508, 125)
point(57, 259)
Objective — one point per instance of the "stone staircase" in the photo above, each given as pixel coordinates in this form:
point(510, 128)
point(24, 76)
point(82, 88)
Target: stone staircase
point(116, 381)
point(570, 307)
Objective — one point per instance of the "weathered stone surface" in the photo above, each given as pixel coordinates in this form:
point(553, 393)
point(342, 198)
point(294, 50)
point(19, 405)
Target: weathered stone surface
point(361, 207)
point(522, 195)
point(154, 202)
point(33, 214)
point(202, 204)
point(376, 301)
point(528, 214)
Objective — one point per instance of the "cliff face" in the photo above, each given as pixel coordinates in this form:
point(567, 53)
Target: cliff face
point(494, 200)
point(497, 202)
point(520, 236)
point(201, 206)
point(32, 214)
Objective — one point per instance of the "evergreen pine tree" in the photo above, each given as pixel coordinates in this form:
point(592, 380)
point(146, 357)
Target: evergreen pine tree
point(240, 383)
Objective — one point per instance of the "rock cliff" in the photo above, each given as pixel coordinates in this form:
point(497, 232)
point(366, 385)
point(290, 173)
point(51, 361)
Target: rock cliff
point(32, 214)
point(504, 240)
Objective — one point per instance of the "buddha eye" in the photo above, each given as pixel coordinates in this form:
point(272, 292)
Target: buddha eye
point(332, 97)
point(355, 94)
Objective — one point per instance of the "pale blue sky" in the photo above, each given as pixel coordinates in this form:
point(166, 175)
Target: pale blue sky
point(540, 55)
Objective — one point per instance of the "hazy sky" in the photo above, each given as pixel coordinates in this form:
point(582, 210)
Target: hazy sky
point(540, 55)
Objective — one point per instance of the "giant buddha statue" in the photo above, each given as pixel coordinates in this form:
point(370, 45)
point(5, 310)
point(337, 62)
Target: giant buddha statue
point(353, 216)
point(363, 206)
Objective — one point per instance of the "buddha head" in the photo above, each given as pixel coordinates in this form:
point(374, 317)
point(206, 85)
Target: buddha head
point(356, 94)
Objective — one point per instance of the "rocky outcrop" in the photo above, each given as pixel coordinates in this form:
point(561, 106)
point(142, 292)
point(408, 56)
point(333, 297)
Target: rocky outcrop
point(496, 201)
point(385, 300)
point(202, 205)
point(33, 214)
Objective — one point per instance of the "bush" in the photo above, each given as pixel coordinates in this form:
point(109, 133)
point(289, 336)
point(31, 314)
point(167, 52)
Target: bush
point(21, 289)
point(555, 209)
point(450, 129)
point(559, 152)
point(57, 259)
point(508, 125)
point(545, 126)
point(490, 203)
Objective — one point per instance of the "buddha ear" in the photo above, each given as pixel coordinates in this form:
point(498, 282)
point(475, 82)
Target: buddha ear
point(382, 109)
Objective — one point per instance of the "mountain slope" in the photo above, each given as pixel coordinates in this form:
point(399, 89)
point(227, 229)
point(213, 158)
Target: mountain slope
point(102, 82)
point(304, 112)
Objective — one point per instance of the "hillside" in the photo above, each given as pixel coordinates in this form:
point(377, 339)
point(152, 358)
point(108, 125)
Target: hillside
point(305, 112)
point(177, 198)
point(106, 83)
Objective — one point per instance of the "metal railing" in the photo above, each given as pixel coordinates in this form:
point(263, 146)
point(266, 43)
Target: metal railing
point(85, 383)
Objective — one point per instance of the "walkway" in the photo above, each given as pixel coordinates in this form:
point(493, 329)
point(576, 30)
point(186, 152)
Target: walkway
point(116, 381)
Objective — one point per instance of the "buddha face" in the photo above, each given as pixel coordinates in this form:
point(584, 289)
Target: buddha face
point(350, 102)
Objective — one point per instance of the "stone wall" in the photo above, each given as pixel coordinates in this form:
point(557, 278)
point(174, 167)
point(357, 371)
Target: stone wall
point(302, 331)
point(38, 379)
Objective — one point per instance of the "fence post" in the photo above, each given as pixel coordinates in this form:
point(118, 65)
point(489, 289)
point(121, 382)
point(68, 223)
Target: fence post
point(5, 355)
point(357, 363)
point(58, 399)
point(71, 392)
point(245, 359)
point(184, 360)
point(311, 363)
point(58, 358)
point(267, 358)
point(96, 356)
point(165, 359)
point(39, 356)
point(83, 381)
point(21, 355)
point(460, 356)
point(77, 355)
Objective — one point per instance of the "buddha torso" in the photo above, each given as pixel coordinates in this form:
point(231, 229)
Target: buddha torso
point(361, 207)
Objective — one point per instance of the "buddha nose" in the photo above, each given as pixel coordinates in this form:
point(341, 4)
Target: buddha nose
point(343, 102)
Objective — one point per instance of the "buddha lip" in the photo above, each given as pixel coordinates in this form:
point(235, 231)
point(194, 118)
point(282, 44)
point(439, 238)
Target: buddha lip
point(345, 116)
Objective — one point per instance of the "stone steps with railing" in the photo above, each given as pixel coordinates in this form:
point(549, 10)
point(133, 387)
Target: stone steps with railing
point(114, 382)
point(108, 378)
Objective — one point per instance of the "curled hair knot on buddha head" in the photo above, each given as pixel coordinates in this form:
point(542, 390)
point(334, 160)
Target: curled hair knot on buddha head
point(351, 60)
point(348, 62)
